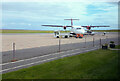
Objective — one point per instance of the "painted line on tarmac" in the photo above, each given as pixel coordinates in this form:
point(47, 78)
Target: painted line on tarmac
point(38, 57)
point(44, 60)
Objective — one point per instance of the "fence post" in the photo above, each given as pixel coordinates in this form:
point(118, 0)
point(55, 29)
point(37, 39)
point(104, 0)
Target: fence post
point(100, 42)
point(59, 43)
point(85, 42)
point(13, 52)
point(93, 41)
point(106, 39)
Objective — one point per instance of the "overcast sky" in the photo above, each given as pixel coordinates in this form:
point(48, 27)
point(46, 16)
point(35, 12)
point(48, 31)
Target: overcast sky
point(31, 15)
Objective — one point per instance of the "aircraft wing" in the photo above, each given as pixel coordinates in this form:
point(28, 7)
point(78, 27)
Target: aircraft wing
point(95, 26)
point(56, 26)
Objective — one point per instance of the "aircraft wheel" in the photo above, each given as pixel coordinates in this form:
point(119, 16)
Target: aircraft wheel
point(76, 37)
point(66, 36)
point(80, 37)
point(57, 36)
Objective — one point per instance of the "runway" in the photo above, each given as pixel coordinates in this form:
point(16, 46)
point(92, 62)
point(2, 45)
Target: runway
point(37, 55)
point(26, 41)
point(39, 51)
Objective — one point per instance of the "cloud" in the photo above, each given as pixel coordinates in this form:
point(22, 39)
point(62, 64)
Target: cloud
point(38, 13)
point(60, 0)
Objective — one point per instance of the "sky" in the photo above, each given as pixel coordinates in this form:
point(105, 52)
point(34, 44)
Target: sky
point(31, 15)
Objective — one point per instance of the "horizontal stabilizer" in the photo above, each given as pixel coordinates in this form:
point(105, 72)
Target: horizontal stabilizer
point(71, 19)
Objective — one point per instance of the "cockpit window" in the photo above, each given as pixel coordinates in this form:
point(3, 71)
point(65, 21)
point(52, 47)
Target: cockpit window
point(78, 28)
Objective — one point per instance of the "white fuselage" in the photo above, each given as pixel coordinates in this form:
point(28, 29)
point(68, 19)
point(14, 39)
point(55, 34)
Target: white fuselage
point(78, 30)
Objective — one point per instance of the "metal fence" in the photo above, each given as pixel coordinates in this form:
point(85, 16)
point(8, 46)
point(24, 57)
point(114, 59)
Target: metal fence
point(59, 45)
point(27, 53)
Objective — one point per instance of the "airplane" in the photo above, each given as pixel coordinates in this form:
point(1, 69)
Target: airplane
point(77, 31)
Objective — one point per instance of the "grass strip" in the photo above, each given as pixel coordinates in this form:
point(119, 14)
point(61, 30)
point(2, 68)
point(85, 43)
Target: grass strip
point(98, 64)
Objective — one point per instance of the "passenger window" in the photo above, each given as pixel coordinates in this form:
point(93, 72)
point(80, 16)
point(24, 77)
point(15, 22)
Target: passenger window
point(78, 28)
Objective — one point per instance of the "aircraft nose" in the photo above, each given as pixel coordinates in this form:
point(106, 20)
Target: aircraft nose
point(83, 31)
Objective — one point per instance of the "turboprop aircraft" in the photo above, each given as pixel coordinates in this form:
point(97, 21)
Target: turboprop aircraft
point(77, 31)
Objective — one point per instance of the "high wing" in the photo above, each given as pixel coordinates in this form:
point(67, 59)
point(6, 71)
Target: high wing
point(56, 26)
point(89, 27)
point(64, 27)
point(95, 26)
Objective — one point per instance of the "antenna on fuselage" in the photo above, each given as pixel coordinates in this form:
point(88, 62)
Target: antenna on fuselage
point(71, 20)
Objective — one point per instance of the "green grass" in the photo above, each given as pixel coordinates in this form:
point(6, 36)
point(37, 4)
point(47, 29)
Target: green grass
point(40, 31)
point(117, 47)
point(98, 64)
point(27, 31)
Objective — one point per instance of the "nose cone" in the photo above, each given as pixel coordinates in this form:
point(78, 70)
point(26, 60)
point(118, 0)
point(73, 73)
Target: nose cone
point(83, 31)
